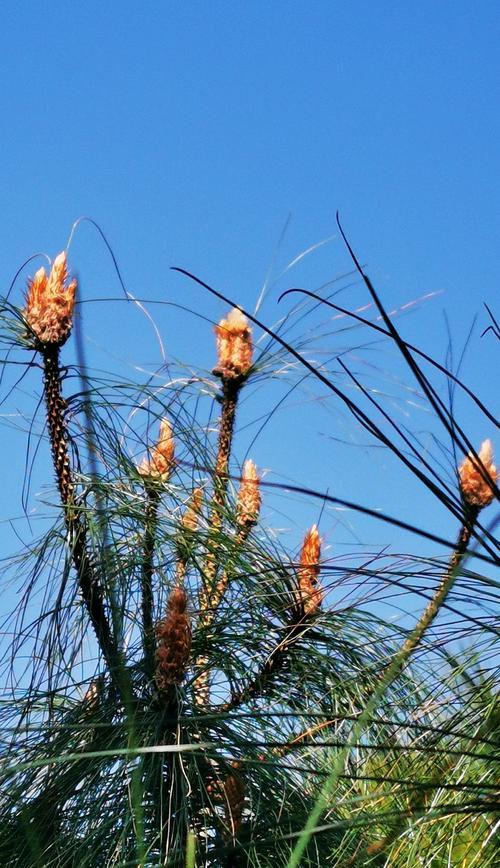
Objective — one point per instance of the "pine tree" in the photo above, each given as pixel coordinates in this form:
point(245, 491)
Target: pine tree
point(220, 711)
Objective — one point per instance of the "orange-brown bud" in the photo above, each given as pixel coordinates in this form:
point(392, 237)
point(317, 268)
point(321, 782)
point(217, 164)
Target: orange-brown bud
point(49, 303)
point(174, 641)
point(234, 793)
point(234, 345)
point(310, 594)
point(92, 695)
point(177, 600)
point(159, 464)
point(249, 498)
point(477, 480)
point(193, 509)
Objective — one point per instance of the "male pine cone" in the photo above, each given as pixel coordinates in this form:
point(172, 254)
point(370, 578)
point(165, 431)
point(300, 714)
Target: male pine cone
point(310, 593)
point(49, 306)
point(234, 346)
point(173, 634)
point(476, 479)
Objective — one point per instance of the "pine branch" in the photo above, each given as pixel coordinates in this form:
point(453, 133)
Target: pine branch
point(151, 522)
point(231, 386)
point(76, 525)
point(271, 667)
point(392, 670)
point(229, 400)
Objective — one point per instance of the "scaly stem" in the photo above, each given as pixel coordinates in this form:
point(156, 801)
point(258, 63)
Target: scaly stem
point(220, 589)
point(443, 589)
point(148, 636)
point(224, 580)
point(76, 524)
point(230, 391)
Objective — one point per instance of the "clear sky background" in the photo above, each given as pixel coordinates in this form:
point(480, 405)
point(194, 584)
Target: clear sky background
point(193, 131)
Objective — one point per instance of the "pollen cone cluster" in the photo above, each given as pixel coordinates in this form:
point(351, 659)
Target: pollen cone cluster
point(92, 696)
point(476, 482)
point(173, 635)
point(159, 464)
point(234, 793)
point(50, 301)
point(185, 536)
point(234, 345)
point(193, 509)
point(249, 499)
point(310, 594)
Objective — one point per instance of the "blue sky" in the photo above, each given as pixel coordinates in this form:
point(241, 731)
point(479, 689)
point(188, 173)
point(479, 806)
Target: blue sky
point(192, 132)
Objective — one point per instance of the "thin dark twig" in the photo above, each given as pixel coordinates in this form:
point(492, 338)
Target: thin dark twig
point(355, 410)
point(411, 347)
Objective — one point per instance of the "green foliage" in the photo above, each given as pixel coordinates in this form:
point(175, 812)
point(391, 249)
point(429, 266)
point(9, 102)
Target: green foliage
point(307, 728)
